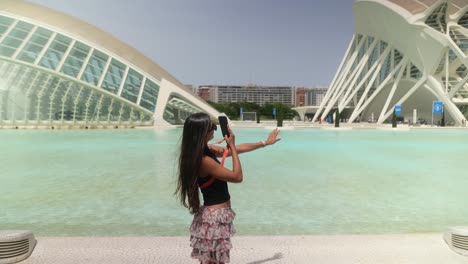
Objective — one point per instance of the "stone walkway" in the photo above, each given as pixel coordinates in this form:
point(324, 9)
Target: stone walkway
point(381, 249)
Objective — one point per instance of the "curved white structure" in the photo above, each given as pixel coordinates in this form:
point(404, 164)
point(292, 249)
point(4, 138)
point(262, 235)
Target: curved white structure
point(16, 245)
point(403, 52)
point(56, 70)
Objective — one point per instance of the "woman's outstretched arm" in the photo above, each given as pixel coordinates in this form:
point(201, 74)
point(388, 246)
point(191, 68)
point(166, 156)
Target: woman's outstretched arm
point(246, 147)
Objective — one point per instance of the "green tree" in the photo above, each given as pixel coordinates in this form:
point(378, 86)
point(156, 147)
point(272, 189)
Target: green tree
point(232, 110)
point(279, 119)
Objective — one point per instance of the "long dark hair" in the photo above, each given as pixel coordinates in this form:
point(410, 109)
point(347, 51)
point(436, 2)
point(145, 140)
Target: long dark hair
point(196, 128)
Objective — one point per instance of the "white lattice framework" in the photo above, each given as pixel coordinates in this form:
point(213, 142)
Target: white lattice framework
point(407, 53)
point(57, 70)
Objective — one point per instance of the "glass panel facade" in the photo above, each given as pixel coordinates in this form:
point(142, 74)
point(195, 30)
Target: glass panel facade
point(150, 95)
point(14, 39)
point(437, 19)
point(463, 21)
point(415, 73)
point(461, 71)
point(132, 86)
point(32, 97)
point(75, 59)
point(5, 23)
point(55, 52)
point(114, 76)
point(95, 67)
point(35, 45)
point(385, 70)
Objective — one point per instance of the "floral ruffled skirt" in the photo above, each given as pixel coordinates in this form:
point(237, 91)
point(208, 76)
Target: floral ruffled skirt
point(210, 234)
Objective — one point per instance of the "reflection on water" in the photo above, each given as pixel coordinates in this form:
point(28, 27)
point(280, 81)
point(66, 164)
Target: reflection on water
point(121, 182)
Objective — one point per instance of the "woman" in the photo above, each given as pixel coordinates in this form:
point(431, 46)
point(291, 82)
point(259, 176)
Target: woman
point(212, 227)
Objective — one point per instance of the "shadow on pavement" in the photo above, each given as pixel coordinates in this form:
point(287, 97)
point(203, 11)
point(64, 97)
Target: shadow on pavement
point(278, 255)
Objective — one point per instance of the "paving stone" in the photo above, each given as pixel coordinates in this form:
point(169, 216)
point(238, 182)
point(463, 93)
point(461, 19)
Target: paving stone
point(362, 249)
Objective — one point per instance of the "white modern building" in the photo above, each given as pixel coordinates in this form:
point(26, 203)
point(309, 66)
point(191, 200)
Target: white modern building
point(403, 52)
point(56, 70)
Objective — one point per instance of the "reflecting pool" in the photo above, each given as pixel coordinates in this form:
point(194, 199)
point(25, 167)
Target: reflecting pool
point(121, 182)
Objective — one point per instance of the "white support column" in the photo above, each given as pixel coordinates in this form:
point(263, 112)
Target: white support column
point(458, 52)
point(28, 94)
point(350, 82)
point(75, 103)
point(10, 74)
point(343, 77)
point(457, 87)
point(140, 92)
point(322, 104)
point(109, 110)
point(65, 55)
point(408, 94)
point(376, 64)
point(360, 108)
point(390, 96)
point(363, 63)
point(104, 71)
point(64, 100)
point(98, 109)
point(87, 104)
point(121, 110)
point(337, 89)
point(301, 111)
point(85, 63)
point(449, 106)
point(51, 102)
point(45, 48)
point(124, 79)
point(21, 46)
point(15, 92)
point(39, 97)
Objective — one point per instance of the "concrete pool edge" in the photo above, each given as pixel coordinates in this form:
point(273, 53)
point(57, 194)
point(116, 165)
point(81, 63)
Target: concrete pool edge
point(392, 248)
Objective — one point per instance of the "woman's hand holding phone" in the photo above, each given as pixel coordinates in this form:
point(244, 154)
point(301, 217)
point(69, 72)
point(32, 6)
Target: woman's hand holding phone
point(223, 123)
point(231, 139)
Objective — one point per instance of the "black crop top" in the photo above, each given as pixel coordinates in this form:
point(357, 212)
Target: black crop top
point(218, 191)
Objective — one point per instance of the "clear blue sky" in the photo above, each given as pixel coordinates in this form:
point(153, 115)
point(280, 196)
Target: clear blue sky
point(236, 42)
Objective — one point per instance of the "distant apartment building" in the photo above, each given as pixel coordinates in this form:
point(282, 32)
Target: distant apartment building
point(208, 93)
point(262, 94)
point(192, 88)
point(314, 96)
point(300, 97)
point(249, 93)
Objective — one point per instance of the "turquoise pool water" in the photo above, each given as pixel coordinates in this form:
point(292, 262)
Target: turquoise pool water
point(121, 182)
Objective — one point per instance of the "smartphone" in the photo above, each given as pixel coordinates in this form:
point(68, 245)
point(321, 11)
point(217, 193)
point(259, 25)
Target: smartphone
point(223, 123)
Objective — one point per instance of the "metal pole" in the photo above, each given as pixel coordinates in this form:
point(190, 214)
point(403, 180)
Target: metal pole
point(432, 122)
